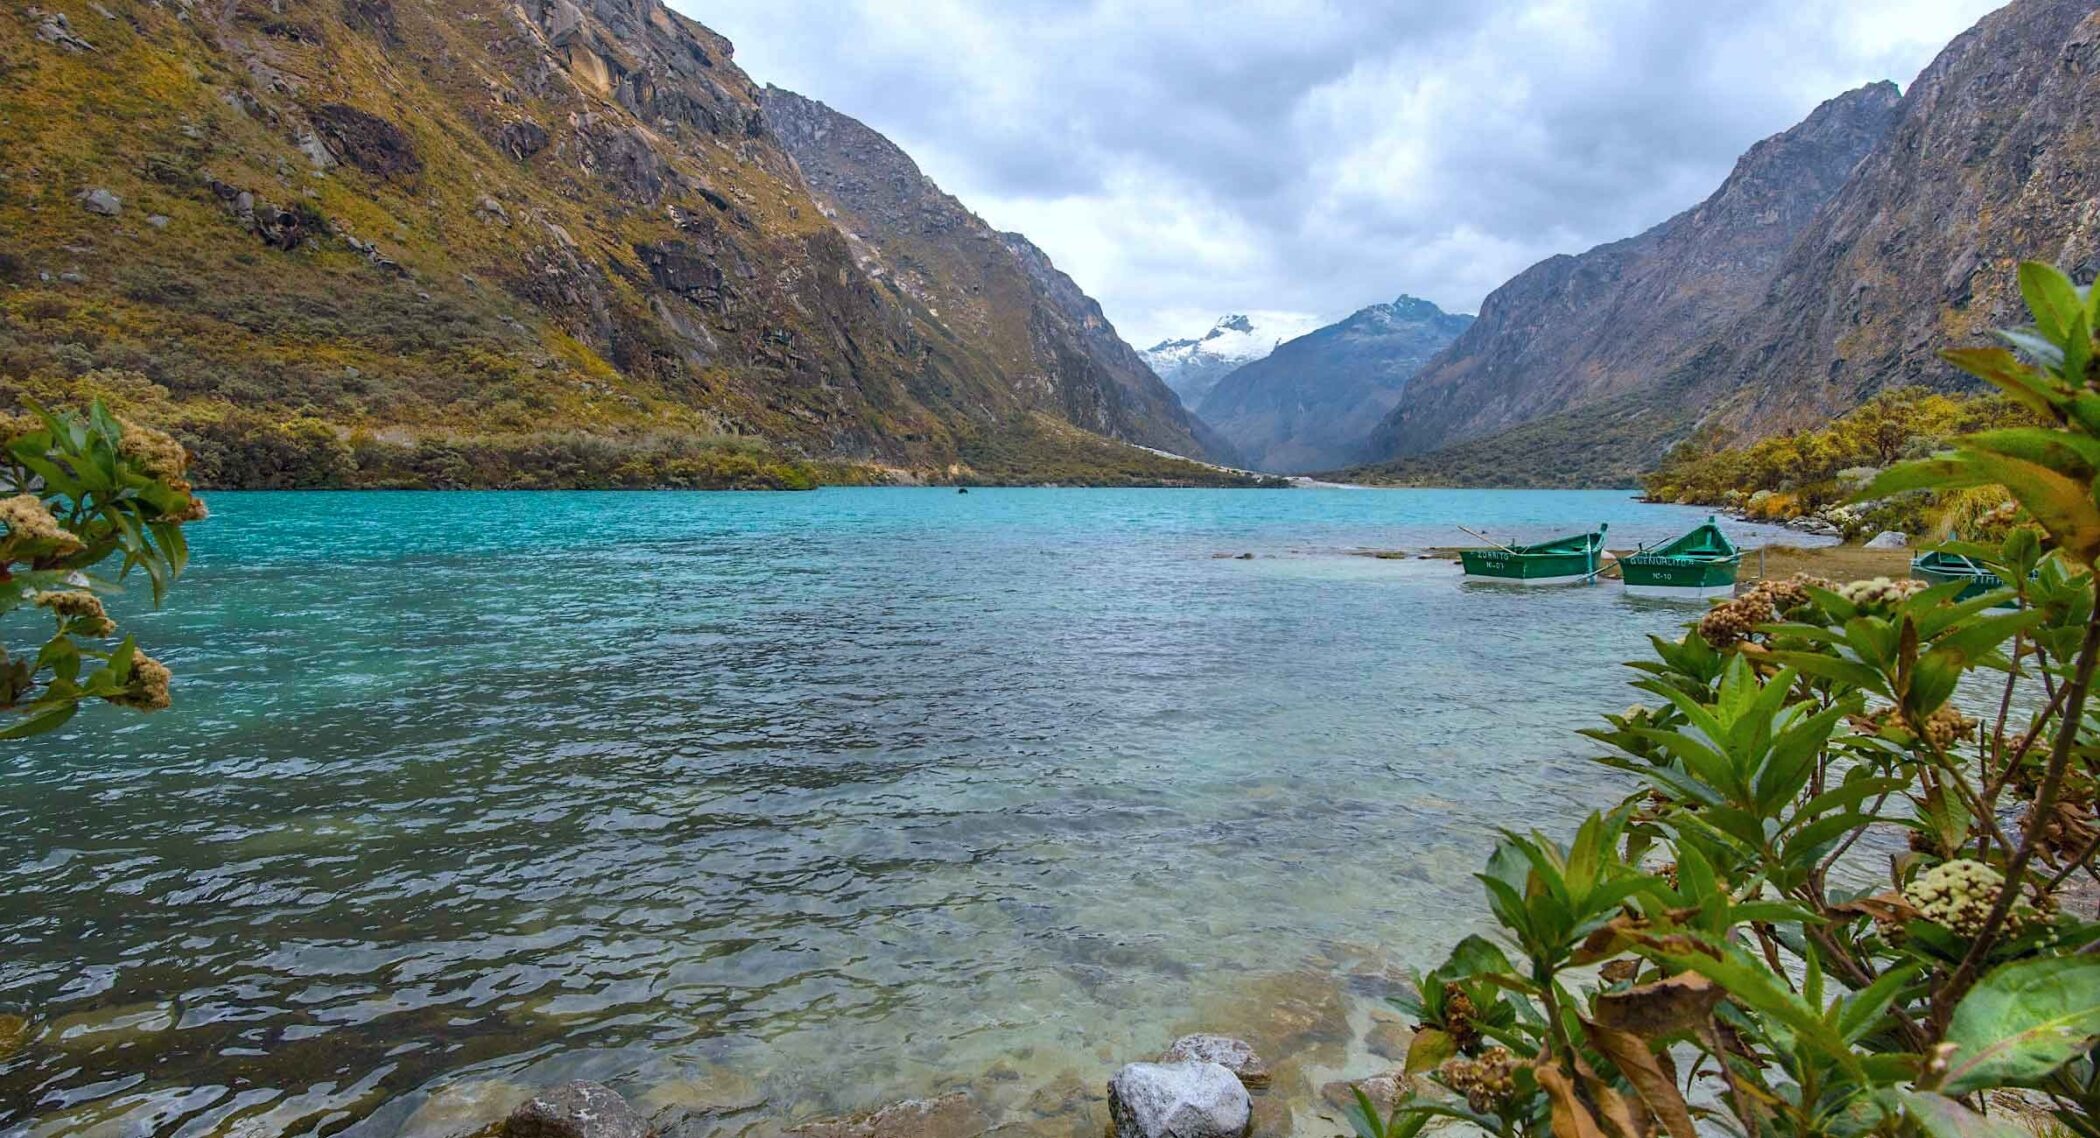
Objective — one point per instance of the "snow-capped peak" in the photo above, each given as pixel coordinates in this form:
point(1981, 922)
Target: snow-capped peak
point(1193, 367)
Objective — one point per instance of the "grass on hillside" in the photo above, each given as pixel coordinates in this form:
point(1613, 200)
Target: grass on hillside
point(1605, 445)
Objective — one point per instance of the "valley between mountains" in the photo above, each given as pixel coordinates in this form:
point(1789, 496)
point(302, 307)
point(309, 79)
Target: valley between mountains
point(385, 243)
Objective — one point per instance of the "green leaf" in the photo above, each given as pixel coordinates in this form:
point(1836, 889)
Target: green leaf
point(2062, 503)
point(2052, 298)
point(47, 717)
point(2003, 370)
point(1865, 1009)
point(1947, 472)
point(2040, 347)
point(1942, 1117)
point(1429, 1049)
point(1472, 957)
point(2058, 450)
point(2022, 1022)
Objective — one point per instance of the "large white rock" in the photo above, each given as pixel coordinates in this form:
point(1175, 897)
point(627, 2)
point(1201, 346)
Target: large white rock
point(1818, 526)
point(1889, 539)
point(1179, 1100)
point(1235, 1055)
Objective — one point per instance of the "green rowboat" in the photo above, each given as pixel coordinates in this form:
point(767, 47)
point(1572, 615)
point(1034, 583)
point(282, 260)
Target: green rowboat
point(1571, 560)
point(1939, 568)
point(1699, 565)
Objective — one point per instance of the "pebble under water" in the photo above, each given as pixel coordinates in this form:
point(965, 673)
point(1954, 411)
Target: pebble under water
point(771, 807)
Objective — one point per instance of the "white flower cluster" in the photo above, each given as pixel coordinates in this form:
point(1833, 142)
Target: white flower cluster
point(1881, 593)
point(1956, 894)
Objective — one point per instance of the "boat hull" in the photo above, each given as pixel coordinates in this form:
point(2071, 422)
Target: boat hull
point(1681, 592)
point(1977, 583)
point(1686, 578)
point(1508, 568)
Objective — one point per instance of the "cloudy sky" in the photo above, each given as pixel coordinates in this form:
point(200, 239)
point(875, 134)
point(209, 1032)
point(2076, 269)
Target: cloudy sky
point(1187, 158)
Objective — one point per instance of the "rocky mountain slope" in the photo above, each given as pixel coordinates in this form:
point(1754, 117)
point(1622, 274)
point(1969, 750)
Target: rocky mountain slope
point(1994, 159)
point(998, 292)
point(1989, 159)
point(1574, 329)
point(477, 243)
point(1313, 403)
point(1193, 367)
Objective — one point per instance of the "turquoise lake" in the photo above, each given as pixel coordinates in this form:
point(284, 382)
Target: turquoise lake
point(778, 806)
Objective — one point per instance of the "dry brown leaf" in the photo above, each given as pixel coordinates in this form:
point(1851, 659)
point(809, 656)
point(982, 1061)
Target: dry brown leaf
point(1629, 1119)
point(1571, 1118)
point(1666, 1007)
point(1656, 1086)
point(1887, 908)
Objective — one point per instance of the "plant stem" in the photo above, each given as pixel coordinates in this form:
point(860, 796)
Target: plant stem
point(2037, 819)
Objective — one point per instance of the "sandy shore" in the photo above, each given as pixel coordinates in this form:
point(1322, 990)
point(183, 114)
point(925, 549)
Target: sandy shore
point(1835, 562)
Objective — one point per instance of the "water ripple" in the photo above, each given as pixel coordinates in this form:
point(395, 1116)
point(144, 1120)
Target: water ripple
point(842, 790)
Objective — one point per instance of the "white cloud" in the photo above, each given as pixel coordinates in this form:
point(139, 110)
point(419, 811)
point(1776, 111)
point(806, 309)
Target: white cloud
point(1180, 156)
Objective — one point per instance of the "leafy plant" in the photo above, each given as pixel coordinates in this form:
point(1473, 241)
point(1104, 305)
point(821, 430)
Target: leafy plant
point(79, 492)
point(1834, 906)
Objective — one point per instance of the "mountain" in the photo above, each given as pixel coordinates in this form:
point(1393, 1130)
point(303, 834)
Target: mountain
point(1193, 367)
point(1575, 329)
point(1989, 159)
point(1313, 402)
point(492, 243)
point(1994, 159)
point(1009, 307)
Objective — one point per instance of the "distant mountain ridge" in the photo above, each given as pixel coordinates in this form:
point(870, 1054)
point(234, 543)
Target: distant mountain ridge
point(1313, 403)
point(1193, 367)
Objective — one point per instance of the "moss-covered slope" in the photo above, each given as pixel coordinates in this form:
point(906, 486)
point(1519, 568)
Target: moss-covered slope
point(412, 231)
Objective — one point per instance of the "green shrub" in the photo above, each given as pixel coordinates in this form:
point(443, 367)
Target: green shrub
point(1725, 923)
point(1812, 471)
point(76, 493)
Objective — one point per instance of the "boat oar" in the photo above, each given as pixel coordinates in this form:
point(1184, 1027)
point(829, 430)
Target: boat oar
point(1489, 540)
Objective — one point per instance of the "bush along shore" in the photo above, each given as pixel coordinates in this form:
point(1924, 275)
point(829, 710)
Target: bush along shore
point(1810, 480)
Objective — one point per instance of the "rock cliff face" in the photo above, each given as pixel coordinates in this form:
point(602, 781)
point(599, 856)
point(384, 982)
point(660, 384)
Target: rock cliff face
point(1994, 159)
point(1313, 403)
point(1574, 329)
point(1987, 160)
point(1001, 295)
point(372, 224)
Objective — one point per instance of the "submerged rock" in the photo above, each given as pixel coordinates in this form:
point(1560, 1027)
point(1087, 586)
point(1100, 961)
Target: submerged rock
point(464, 1108)
point(102, 1028)
point(1388, 1039)
point(1383, 1091)
point(575, 1110)
point(14, 1035)
point(1235, 1055)
point(715, 1091)
point(1179, 1100)
point(949, 1116)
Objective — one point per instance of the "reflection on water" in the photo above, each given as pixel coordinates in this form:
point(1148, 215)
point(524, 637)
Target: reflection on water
point(778, 806)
